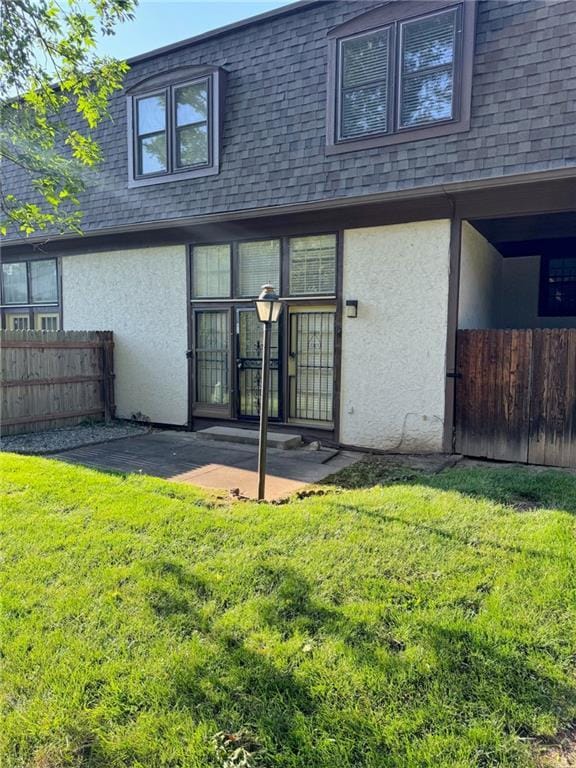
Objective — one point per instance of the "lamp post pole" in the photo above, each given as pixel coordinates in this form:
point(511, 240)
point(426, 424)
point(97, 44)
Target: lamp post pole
point(265, 378)
point(268, 309)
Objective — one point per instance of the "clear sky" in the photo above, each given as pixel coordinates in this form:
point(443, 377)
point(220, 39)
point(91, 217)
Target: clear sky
point(161, 22)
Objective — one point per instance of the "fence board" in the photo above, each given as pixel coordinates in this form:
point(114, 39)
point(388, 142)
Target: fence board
point(55, 379)
point(516, 395)
point(553, 416)
point(492, 393)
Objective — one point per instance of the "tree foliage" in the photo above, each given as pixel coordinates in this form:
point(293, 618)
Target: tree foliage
point(50, 69)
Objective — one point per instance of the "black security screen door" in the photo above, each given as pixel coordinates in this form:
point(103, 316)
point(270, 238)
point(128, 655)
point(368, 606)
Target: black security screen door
point(249, 364)
point(311, 365)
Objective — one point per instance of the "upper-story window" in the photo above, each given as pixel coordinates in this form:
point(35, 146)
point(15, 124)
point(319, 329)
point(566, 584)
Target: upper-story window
point(400, 72)
point(174, 126)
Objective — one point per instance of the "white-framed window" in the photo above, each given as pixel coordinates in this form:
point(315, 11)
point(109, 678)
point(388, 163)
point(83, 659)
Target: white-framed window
point(17, 321)
point(47, 321)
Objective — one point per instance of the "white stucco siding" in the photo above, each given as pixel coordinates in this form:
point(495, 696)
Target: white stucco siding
point(393, 354)
point(480, 281)
point(141, 296)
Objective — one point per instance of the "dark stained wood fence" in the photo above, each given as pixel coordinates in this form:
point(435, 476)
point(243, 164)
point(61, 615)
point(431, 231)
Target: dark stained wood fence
point(516, 395)
point(55, 379)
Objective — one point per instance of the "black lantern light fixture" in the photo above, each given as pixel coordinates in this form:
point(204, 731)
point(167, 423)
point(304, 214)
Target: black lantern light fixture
point(268, 309)
point(268, 305)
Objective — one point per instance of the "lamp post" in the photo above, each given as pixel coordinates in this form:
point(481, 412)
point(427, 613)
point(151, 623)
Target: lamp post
point(268, 309)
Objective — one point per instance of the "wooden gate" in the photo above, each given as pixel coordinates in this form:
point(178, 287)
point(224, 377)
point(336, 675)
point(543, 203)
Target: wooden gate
point(516, 395)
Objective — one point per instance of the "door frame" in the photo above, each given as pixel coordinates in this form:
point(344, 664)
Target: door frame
point(335, 300)
point(328, 307)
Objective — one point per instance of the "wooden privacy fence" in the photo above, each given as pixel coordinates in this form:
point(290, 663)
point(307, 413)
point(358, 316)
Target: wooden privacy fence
point(55, 379)
point(516, 395)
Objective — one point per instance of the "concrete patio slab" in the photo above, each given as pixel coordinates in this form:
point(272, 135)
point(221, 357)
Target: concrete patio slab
point(187, 457)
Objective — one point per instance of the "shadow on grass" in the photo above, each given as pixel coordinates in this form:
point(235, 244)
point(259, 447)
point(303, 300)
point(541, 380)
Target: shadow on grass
point(283, 708)
point(521, 487)
point(475, 541)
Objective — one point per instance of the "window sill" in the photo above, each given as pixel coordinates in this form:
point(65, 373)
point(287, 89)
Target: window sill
point(418, 134)
point(171, 177)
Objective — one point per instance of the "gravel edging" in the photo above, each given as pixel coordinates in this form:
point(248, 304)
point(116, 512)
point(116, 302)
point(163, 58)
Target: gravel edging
point(68, 438)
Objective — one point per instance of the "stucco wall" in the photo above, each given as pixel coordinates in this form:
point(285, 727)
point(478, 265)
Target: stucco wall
point(394, 352)
point(480, 281)
point(141, 296)
point(520, 295)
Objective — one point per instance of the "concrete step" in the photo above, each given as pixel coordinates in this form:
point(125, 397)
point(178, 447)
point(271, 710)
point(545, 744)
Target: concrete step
point(250, 437)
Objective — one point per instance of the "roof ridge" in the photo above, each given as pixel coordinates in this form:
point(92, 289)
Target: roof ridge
point(299, 5)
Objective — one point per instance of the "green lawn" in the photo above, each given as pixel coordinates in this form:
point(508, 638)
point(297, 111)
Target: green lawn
point(426, 621)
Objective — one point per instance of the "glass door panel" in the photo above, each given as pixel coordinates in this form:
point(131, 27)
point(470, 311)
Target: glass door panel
point(311, 365)
point(249, 366)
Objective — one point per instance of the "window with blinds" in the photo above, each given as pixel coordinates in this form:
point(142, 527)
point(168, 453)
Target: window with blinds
point(364, 75)
point(402, 74)
point(428, 48)
point(312, 265)
point(211, 271)
point(258, 264)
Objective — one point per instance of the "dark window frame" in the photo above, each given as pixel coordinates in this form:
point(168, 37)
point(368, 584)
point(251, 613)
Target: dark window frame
point(199, 410)
point(339, 103)
point(29, 308)
point(168, 83)
point(395, 15)
point(284, 271)
point(138, 136)
point(29, 303)
point(544, 307)
point(200, 298)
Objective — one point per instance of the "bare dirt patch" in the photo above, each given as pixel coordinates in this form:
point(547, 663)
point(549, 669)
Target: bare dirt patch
point(561, 754)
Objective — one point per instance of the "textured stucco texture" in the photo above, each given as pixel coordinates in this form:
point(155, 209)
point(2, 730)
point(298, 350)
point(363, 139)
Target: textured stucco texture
point(140, 295)
point(480, 281)
point(394, 351)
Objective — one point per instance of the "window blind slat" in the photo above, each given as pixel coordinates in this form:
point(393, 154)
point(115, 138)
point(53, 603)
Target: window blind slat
point(429, 42)
point(313, 265)
point(426, 98)
point(365, 59)
point(211, 271)
point(364, 83)
point(427, 60)
point(364, 111)
point(258, 264)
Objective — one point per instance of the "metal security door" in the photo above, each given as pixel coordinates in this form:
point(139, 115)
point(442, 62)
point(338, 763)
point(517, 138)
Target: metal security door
point(311, 365)
point(249, 367)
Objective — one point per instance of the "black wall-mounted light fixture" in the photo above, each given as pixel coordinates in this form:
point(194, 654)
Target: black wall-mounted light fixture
point(351, 308)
